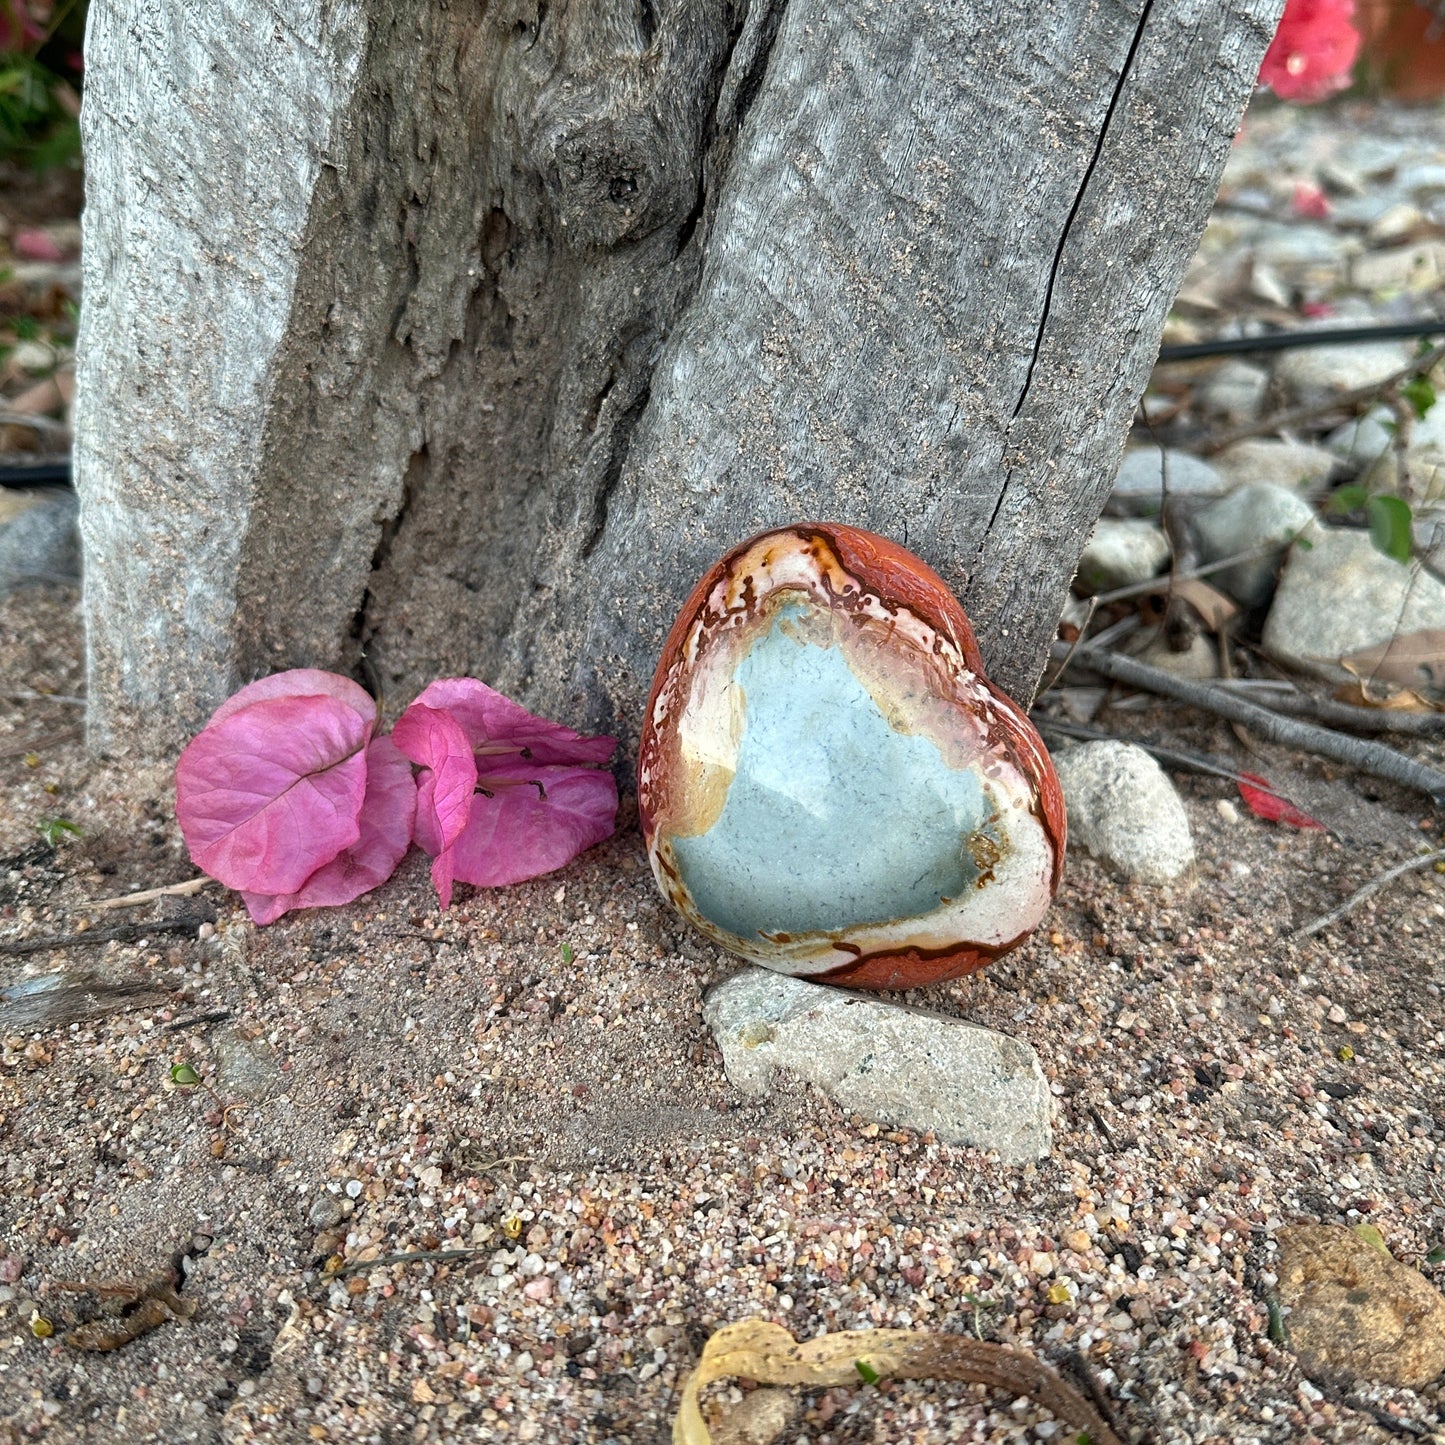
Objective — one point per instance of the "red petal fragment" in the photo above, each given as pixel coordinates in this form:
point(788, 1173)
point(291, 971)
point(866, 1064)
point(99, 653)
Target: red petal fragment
point(1273, 809)
point(435, 741)
point(299, 682)
point(518, 834)
point(387, 813)
point(498, 728)
point(272, 792)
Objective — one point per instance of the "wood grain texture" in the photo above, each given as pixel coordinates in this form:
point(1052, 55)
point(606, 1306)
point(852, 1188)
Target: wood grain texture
point(470, 335)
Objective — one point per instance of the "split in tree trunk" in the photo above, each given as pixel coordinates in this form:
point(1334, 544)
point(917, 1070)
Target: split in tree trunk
point(467, 336)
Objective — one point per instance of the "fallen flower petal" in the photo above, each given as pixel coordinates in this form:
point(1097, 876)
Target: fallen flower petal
point(435, 742)
point(272, 792)
point(299, 682)
point(533, 822)
point(387, 815)
point(1261, 800)
point(500, 730)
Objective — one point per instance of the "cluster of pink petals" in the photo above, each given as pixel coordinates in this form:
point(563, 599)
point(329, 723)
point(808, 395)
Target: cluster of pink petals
point(287, 796)
point(1313, 51)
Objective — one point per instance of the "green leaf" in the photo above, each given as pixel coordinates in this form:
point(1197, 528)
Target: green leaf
point(1420, 394)
point(1389, 519)
point(183, 1076)
point(1350, 498)
point(1278, 1334)
point(866, 1372)
point(1373, 1238)
point(55, 830)
point(1436, 1255)
point(567, 954)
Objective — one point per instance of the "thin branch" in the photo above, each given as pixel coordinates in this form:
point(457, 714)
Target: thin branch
point(1158, 584)
point(1370, 757)
point(1344, 401)
point(1411, 865)
point(94, 937)
point(22, 694)
point(187, 889)
point(1178, 757)
point(1344, 714)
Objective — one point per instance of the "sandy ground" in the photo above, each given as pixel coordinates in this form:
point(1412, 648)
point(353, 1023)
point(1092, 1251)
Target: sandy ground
point(527, 1078)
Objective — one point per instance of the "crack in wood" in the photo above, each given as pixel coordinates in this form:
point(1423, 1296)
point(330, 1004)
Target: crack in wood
point(1103, 136)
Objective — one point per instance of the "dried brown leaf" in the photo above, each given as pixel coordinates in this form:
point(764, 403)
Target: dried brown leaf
point(1413, 660)
point(767, 1353)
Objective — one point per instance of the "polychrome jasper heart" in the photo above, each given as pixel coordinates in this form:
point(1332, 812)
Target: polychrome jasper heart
point(829, 785)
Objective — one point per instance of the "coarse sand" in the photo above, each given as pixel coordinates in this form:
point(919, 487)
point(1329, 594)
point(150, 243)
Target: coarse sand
point(522, 1090)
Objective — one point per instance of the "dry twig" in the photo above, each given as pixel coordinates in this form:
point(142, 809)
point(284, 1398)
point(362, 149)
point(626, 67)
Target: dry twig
point(1370, 757)
point(1411, 865)
point(1292, 416)
point(187, 889)
point(382, 1261)
point(94, 937)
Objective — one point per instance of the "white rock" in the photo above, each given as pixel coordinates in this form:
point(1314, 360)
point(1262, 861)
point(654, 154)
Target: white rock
point(1121, 552)
point(1366, 437)
point(1198, 662)
point(38, 537)
point(898, 1065)
point(1139, 484)
point(1429, 528)
point(1420, 267)
point(1316, 373)
point(1234, 390)
point(1341, 595)
point(1261, 515)
point(1294, 465)
point(1125, 811)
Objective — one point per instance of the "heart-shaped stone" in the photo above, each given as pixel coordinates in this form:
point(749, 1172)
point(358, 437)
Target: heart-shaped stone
point(828, 783)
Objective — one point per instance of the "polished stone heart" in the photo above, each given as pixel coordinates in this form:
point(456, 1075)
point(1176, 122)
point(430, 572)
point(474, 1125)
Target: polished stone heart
point(828, 783)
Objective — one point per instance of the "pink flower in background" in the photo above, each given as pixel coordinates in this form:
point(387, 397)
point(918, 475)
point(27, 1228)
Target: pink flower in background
point(23, 23)
point(1313, 51)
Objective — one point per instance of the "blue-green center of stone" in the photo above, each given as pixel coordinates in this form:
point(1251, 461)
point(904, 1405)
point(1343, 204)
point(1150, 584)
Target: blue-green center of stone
point(834, 819)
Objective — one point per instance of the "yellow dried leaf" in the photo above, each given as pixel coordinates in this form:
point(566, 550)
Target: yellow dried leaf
point(765, 1352)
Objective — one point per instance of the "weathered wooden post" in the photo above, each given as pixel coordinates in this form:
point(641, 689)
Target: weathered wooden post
point(467, 336)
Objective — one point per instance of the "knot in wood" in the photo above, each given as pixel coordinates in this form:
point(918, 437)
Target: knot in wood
point(615, 179)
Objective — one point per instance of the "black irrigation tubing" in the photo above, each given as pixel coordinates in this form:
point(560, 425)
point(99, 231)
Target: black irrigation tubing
point(48, 472)
point(1291, 340)
point(56, 471)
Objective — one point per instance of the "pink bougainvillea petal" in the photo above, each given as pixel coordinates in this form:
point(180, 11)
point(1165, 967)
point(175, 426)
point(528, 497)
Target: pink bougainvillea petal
point(435, 742)
point(299, 682)
point(524, 830)
point(387, 814)
point(443, 871)
point(272, 792)
point(501, 730)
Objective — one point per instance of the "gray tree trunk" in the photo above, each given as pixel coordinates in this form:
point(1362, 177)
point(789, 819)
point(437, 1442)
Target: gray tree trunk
point(466, 335)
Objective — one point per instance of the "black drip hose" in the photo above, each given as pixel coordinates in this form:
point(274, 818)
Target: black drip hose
point(1292, 340)
point(55, 471)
